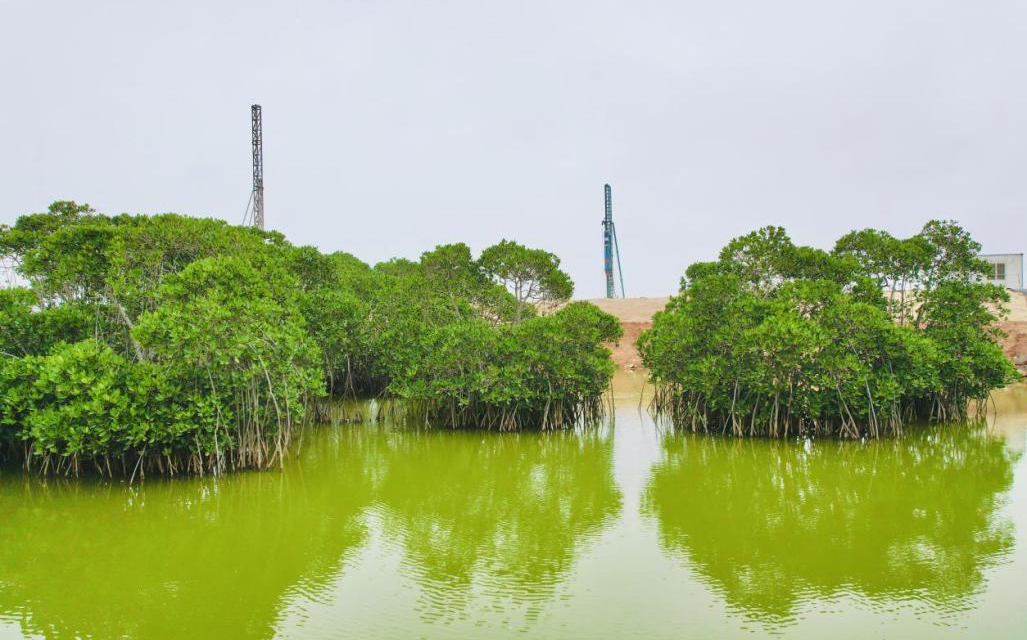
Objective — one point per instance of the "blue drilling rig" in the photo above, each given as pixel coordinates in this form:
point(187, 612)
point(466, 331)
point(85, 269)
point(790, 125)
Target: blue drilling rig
point(611, 248)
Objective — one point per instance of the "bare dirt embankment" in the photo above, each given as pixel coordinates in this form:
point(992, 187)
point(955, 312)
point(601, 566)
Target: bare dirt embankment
point(1015, 327)
point(636, 315)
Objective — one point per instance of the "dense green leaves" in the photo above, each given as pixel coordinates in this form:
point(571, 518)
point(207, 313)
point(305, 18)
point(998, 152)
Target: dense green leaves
point(84, 403)
point(27, 330)
point(227, 330)
point(546, 372)
point(179, 343)
point(775, 339)
point(532, 275)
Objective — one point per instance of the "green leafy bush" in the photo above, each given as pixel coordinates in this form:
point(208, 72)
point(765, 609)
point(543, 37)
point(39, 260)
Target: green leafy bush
point(224, 329)
point(27, 330)
point(780, 340)
point(172, 343)
point(83, 403)
point(545, 372)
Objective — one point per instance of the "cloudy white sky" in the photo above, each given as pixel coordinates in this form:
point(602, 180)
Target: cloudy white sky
point(393, 126)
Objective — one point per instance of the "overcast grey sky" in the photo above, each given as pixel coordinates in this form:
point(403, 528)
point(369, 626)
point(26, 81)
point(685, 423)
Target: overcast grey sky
point(393, 126)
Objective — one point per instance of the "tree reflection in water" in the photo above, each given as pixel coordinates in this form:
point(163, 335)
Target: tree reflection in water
point(497, 515)
point(773, 525)
point(501, 516)
point(183, 558)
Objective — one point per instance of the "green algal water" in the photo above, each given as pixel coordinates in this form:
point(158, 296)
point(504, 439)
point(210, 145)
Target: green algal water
point(628, 531)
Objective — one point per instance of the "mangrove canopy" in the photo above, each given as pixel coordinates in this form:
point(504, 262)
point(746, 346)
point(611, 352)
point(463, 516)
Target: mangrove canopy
point(177, 344)
point(775, 339)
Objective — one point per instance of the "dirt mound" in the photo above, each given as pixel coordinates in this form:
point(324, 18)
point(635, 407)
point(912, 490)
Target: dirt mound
point(624, 353)
point(635, 315)
point(1015, 327)
point(631, 309)
point(1017, 306)
point(1015, 342)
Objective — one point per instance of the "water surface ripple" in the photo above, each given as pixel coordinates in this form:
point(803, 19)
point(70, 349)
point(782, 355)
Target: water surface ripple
point(629, 531)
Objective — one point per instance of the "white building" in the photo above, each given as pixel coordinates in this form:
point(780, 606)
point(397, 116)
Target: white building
point(1006, 269)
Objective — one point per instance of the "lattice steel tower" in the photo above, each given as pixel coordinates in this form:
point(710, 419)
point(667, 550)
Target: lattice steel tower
point(610, 246)
point(258, 168)
point(8, 275)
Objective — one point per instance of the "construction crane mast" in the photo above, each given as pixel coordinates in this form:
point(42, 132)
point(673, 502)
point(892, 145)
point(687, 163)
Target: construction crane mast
point(258, 167)
point(611, 247)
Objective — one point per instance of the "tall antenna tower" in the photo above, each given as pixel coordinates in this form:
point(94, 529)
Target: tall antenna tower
point(8, 275)
point(258, 168)
point(610, 247)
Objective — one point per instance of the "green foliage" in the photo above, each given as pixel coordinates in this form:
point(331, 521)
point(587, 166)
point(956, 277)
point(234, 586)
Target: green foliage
point(84, 403)
point(780, 340)
point(547, 372)
point(224, 328)
point(532, 275)
point(452, 273)
point(62, 252)
point(26, 330)
point(32, 231)
point(465, 351)
point(200, 355)
point(149, 249)
point(176, 343)
point(16, 375)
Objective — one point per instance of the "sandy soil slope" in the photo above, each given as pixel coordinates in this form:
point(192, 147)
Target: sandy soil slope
point(1015, 326)
point(635, 315)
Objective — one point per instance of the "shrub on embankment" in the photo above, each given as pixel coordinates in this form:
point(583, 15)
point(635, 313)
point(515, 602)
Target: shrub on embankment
point(177, 344)
point(775, 339)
